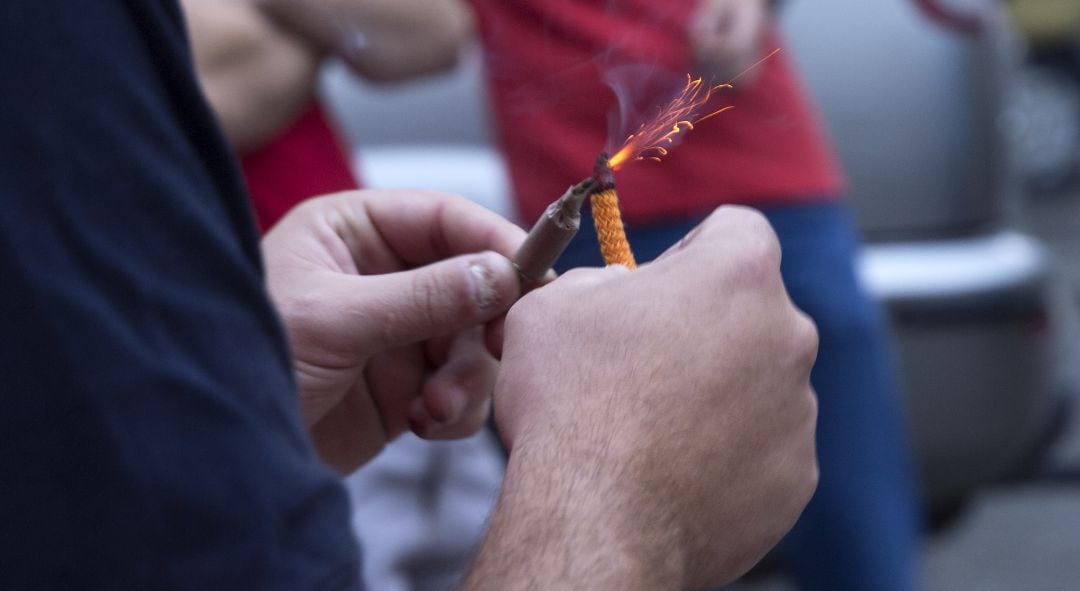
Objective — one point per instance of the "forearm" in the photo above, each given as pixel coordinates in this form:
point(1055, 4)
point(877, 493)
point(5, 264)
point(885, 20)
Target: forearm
point(255, 75)
point(383, 40)
point(557, 526)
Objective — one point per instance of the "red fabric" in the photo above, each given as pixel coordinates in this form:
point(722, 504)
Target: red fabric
point(546, 64)
point(304, 161)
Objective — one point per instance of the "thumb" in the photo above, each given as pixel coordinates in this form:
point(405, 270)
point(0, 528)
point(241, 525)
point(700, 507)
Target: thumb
point(406, 307)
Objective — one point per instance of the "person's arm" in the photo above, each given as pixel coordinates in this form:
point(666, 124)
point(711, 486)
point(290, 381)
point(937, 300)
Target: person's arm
point(382, 40)
point(660, 422)
point(256, 75)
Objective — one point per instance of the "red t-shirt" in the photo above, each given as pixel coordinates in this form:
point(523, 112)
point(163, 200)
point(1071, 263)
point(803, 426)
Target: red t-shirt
point(546, 63)
point(304, 161)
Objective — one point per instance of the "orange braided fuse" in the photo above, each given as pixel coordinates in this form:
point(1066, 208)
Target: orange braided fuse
point(606, 217)
point(609, 229)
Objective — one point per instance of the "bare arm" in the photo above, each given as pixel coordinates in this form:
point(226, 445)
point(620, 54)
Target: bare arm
point(382, 40)
point(660, 422)
point(256, 75)
point(558, 527)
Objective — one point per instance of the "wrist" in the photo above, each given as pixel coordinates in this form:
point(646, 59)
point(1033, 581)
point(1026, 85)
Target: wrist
point(567, 524)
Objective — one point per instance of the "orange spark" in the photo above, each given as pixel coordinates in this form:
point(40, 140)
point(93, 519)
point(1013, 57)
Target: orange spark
point(652, 140)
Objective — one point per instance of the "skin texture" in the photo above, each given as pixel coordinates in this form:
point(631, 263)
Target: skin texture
point(256, 75)
point(385, 296)
point(648, 448)
point(382, 40)
point(258, 61)
point(726, 38)
point(651, 449)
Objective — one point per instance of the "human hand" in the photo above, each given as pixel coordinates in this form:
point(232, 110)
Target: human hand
point(664, 415)
point(385, 295)
point(726, 36)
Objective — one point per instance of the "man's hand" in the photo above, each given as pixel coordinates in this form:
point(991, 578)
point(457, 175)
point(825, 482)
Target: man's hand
point(726, 37)
point(385, 295)
point(660, 421)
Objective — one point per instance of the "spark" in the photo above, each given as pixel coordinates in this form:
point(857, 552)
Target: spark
point(654, 138)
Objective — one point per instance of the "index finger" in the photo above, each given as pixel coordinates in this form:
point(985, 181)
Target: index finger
point(427, 226)
point(726, 229)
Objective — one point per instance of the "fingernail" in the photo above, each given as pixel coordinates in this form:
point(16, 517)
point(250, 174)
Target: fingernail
point(485, 279)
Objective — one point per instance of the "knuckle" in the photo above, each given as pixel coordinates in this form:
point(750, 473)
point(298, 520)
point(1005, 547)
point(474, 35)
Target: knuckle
point(760, 235)
point(467, 426)
point(756, 260)
point(749, 245)
point(812, 411)
point(755, 271)
point(812, 473)
point(747, 219)
point(811, 480)
point(439, 295)
point(426, 291)
point(805, 339)
point(475, 420)
point(519, 316)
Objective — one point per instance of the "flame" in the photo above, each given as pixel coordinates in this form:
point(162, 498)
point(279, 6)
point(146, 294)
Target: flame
point(652, 140)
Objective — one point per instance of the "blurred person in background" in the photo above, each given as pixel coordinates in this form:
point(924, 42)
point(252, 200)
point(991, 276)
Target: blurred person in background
point(258, 62)
point(554, 70)
point(162, 439)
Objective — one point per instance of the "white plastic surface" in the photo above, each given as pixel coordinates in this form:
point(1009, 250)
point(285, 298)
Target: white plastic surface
point(956, 267)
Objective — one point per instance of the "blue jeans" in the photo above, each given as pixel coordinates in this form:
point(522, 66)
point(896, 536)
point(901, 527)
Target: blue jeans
point(860, 530)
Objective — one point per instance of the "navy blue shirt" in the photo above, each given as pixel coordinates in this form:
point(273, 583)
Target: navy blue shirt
point(149, 431)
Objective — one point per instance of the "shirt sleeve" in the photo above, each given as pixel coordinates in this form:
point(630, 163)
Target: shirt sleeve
point(150, 437)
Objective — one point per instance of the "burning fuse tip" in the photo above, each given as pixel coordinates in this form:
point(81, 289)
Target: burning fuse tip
point(602, 174)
